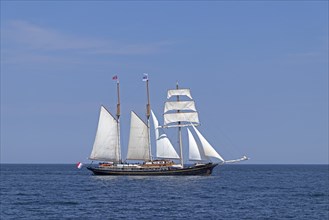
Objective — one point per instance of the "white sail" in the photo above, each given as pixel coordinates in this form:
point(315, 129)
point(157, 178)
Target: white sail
point(138, 146)
point(190, 117)
point(194, 152)
point(156, 125)
point(164, 148)
point(106, 146)
point(209, 151)
point(179, 105)
point(175, 92)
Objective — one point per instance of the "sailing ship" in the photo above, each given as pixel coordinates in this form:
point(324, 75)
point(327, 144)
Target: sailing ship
point(179, 113)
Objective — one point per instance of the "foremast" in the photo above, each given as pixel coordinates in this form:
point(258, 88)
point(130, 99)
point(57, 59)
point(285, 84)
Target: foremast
point(180, 113)
point(180, 133)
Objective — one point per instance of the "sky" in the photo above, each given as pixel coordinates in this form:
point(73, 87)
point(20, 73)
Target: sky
point(257, 70)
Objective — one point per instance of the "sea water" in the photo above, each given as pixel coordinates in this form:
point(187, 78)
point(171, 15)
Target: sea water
point(232, 192)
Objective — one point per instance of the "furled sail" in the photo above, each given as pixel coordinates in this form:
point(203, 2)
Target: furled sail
point(179, 105)
point(164, 148)
point(191, 117)
point(106, 145)
point(138, 146)
point(175, 92)
point(209, 151)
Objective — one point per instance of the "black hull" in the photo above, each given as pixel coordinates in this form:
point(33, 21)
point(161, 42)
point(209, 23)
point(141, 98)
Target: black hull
point(204, 170)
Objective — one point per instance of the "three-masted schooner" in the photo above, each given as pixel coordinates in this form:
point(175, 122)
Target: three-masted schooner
point(179, 113)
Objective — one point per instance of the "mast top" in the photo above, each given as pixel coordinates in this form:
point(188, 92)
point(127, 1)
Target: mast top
point(148, 106)
point(118, 92)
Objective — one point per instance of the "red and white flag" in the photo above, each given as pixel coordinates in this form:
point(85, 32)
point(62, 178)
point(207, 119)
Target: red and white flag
point(79, 165)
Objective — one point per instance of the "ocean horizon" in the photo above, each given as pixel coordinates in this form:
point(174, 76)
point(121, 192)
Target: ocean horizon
point(239, 164)
point(239, 191)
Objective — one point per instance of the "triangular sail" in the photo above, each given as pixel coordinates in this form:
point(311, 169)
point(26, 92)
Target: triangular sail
point(209, 151)
point(195, 152)
point(106, 146)
point(164, 148)
point(138, 147)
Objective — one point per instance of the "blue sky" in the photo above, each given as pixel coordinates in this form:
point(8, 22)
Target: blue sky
point(258, 72)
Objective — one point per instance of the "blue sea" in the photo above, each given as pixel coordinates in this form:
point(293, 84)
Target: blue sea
point(232, 192)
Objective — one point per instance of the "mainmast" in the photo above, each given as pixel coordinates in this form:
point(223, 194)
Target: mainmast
point(118, 117)
point(148, 112)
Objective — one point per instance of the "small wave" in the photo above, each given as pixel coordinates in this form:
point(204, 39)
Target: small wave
point(317, 194)
point(65, 203)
